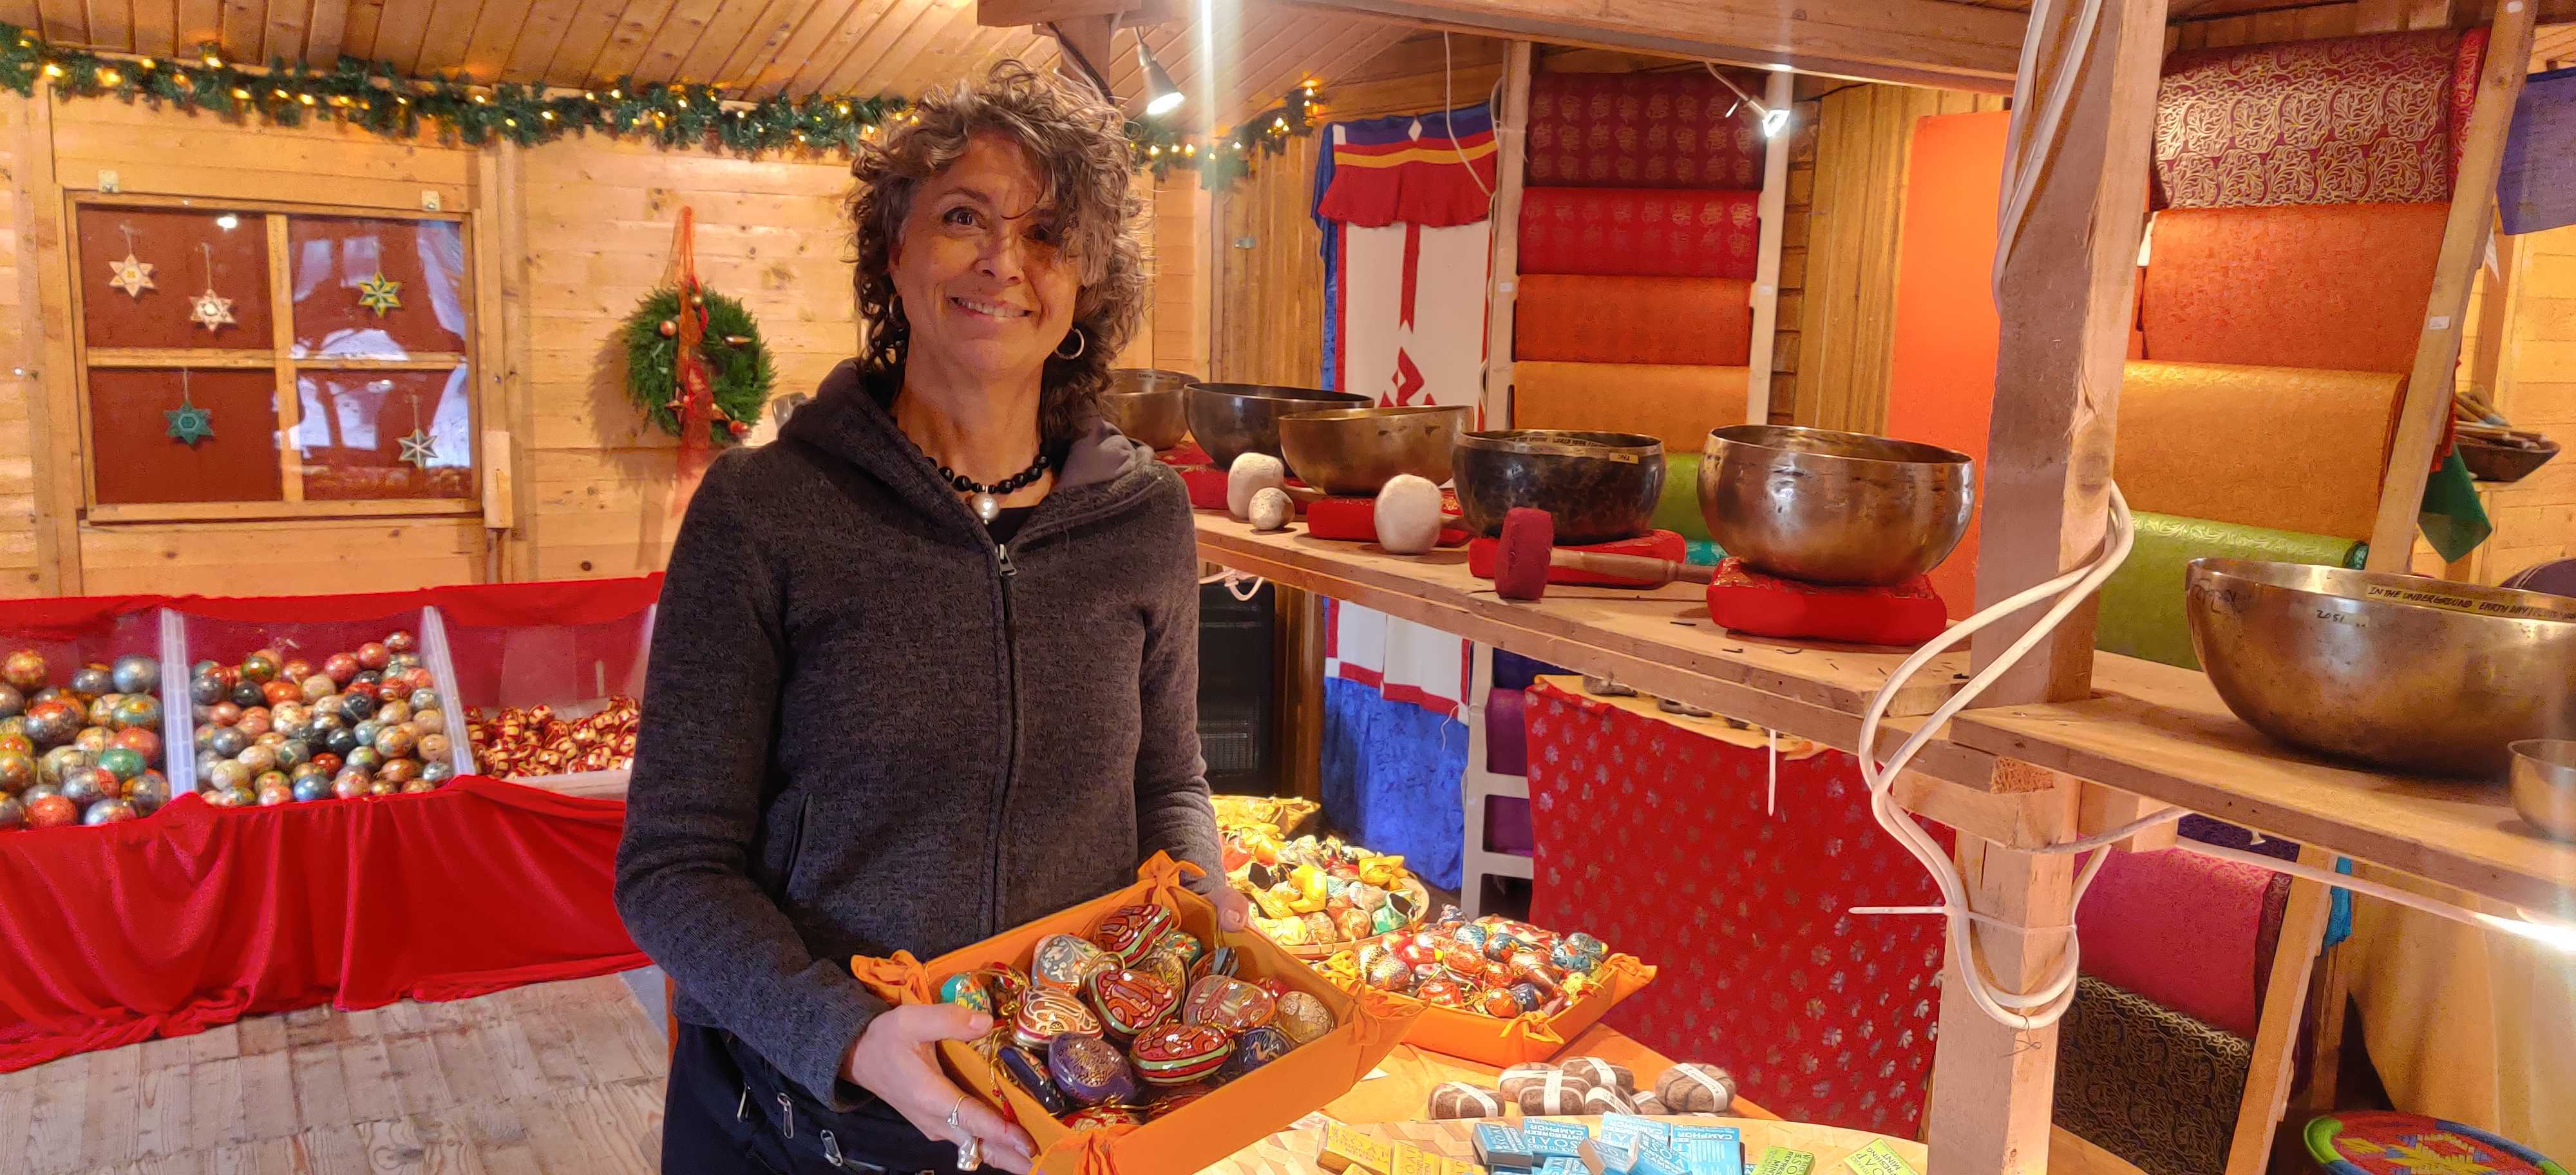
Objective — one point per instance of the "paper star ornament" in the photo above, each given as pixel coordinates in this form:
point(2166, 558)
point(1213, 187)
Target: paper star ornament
point(189, 424)
point(211, 310)
point(415, 450)
point(380, 294)
point(132, 275)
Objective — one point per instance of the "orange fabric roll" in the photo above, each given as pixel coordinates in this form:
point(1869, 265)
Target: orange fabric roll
point(2332, 286)
point(1583, 319)
point(1678, 403)
point(2279, 447)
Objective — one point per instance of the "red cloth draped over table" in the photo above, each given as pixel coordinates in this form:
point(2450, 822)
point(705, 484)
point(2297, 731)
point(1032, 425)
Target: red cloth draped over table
point(2338, 121)
point(199, 916)
point(1640, 232)
point(1676, 129)
point(1656, 839)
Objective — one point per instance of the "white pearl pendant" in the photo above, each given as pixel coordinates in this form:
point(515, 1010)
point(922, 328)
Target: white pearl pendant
point(987, 507)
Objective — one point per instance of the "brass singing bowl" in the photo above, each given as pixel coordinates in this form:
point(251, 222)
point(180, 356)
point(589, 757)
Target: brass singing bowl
point(1149, 404)
point(1231, 420)
point(2544, 784)
point(1833, 507)
point(1599, 487)
point(2398, 671)
point(1352, 452)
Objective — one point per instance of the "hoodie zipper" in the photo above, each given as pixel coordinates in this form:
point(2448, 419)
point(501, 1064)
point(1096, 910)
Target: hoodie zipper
point(1010, 725)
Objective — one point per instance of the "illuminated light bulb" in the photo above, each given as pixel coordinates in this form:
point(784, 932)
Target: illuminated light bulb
point(239, 92)
point(1191, 149)
point(276, 93)
point(108, 77)
point(306, 99)
point(684, 101)
point(148, 63)
point(509, 122)
point(617, 93)
point(1279, 124)
point(212, 62)
point(842, 107)
point(1153, 151)
point(548, 115)
point(52, 70)
point(399, 100)
point(480, 100)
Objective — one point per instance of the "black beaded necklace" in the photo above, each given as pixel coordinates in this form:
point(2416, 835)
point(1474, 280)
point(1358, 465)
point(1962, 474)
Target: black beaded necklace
point(987, 500)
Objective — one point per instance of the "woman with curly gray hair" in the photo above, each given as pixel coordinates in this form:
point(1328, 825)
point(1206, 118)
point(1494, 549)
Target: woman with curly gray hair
point(927, 665)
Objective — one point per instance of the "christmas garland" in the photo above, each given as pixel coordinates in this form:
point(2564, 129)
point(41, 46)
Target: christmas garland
point(377, 97)
point(737, 361)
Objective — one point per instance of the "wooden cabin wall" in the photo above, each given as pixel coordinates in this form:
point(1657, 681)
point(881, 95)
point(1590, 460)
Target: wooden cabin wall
point(1844, 236)
point(2520, 350)
point(569, 235)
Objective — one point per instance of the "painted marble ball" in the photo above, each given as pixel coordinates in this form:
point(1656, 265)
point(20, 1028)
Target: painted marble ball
point(122, 762)
point(374, 655)
point(260, 666)
point(147, 792)
point(401, 640)
point(12, 702)
point(90, 681)
point(51, 811)
point(52, 722)
point(24, 669)
point(17, 772)
point(108, 811)
point(89, 785)
point(142, 740)
point(340, 667)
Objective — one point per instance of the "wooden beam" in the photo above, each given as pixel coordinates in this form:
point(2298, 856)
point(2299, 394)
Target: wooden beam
point(2276, 1035)
point(56, 438)
point(2066, 306)
point(1992, 1085)
point(1917, 42)
point(1781, 94)
point(2429, 386)
point(1089, 38)
point(1005, 13)
point(1511, 137)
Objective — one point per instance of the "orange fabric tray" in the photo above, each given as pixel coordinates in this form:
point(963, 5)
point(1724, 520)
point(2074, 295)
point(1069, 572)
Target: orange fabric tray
point(2276, 447)
point(1581, 319)
point(1195, 1137)
point(1526, 1038)
point(1678, 403)
point(2333, 286)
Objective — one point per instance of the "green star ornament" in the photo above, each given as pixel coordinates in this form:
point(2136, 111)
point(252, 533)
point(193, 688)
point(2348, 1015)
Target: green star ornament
point(380, 294)
point(189, 424)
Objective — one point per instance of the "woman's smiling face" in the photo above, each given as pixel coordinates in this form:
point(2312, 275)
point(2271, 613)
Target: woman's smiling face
point(985, 286)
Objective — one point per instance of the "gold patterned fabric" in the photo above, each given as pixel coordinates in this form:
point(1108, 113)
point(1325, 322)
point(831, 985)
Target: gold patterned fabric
point(2335, 121)
point(2146, 1083)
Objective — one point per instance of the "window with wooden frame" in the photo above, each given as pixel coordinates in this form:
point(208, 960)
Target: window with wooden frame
point(246, 360)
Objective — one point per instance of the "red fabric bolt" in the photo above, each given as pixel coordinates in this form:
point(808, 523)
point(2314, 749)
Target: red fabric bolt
point(1674, 129)
point(1640, 232)
point(1745, 600)
point(1655, 839)
point(199, 916)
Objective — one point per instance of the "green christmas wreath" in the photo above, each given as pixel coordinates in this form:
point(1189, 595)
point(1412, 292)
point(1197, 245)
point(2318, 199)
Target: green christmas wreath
point(738, 364)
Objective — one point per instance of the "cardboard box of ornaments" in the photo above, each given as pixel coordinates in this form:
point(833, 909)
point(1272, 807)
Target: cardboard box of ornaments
point(1195, 1136)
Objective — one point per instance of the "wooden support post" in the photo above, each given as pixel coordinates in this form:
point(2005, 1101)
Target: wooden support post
point(1781, 94)
point(1992, 1086)
point(1297, 669)
point(2066, 305)
point(2429, 386)
point(2276, 1037)
point(1511, 142)
point(1092, 38)
point(56, 438)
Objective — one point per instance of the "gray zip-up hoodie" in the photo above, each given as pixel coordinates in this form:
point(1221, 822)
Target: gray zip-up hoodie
point(868, 729)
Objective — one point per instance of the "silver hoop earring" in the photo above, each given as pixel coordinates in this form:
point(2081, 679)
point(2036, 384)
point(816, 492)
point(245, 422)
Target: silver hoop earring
point(1081, 343)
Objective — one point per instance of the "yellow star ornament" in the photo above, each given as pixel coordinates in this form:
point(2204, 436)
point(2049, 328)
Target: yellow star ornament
point(380, 294)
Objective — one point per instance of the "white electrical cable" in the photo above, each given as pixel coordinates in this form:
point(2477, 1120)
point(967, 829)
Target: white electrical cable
point(1448, 107)
point(1237, 584)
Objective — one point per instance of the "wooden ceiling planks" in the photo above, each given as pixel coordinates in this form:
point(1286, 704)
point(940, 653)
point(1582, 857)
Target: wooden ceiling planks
point(111, 22)
point(634, 30)
point(584, 33)
point(823, 39)
point(323, 40)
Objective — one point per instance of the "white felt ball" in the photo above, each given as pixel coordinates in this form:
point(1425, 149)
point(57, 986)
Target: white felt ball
point(1250, 474)
point(1408, 514)
point(1271, 508)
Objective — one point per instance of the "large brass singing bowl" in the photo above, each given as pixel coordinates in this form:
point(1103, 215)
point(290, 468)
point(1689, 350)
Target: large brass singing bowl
point(1149, 404)
point(2400, 671)
point(1833, 507)
point(1353, 451)
point(1599, 486)
point(1231, 420)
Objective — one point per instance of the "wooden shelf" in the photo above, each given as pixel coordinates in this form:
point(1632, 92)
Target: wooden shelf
point(2150, 730)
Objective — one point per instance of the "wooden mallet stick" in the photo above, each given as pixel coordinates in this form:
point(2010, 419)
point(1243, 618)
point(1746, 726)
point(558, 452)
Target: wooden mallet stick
point(1527, 549)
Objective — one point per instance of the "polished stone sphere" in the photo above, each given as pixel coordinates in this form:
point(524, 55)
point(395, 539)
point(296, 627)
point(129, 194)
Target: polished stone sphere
point(258, 758)
point(350, 784)
point(17, 772)
point(51, 811)
point(246, 694)
point(206, 689)
point(396, 741)
point(136, 711)
point(122, 763)
point(437, 771)
point(340, 667)
point(365, 759)
point(147, 792)
point(309, 788)
point(142, 740)
point(61, 761)
point(261, 666)
point(24, 669)
point(90, 681)
point(109, 811)
point(374, 654)
point(89, 785)
point(52, 722)
point(230, 773)
point(401, 640)
point(228, 741)
point(12, 702)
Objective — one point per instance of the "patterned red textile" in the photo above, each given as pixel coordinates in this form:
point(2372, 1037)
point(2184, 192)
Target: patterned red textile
point(1656, 840)
point(1640, 232)
point(2335, 121)
point(1707, 321)
point(200, 916)
point(1641, 130)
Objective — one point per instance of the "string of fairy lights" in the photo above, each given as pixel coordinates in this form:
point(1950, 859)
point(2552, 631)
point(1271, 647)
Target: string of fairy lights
point(376, 97)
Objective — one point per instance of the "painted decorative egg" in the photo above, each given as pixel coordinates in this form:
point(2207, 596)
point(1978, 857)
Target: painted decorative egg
point(24, 670)
point(1178, 1054)
point(1498, 1003)
point(1254, 1049)
point(1320, 928)
point(1447, 993)
point(1183, 945)
point(1473, 934)
point(51, 811)
point(110, 811)
point(90, 681)
point(1220, 961)
point(964, 988)
point(1129, 1001)
point(17, 772)
point(1089, 1070)
point(1302, 1017)
point(1354, 923)
point(1067, 962)
point(1462, 963)
point(1129, 931)
point(1005, 986)
point(136, 674)
point(1096, 1117)
point(1230, 1004)
point(1416, 949)
point(1166, 966)
point(1526, 996)
point(1501, 943)
point(1388, 972)
point(1047, 1013)
point(1032, 1078)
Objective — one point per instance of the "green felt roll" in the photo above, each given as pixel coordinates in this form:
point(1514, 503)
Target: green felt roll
point(2142, 603)
point(1678, 510)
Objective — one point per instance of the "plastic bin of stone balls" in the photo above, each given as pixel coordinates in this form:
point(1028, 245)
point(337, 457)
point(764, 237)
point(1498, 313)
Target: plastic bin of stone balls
point(552, 705)
point(1495, 991)
point(1130, 1035)
point(329, 706)
point(85, 721)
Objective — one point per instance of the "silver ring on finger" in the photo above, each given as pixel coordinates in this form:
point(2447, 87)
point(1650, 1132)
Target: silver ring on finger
point(970, 1154)
point(955, 1110)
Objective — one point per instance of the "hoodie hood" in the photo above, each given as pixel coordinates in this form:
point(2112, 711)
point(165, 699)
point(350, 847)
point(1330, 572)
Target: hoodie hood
point(848, 420)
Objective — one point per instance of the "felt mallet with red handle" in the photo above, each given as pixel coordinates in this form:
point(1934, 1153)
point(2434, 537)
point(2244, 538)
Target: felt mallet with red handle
point(1527, 548)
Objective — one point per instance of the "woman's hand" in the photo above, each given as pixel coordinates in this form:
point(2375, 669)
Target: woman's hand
point(892, 1059)
point(1233, 909)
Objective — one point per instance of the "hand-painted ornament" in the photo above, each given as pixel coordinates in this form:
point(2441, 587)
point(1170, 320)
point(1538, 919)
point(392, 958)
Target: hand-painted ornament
point(1303, 1017)
point(188, 424)
point(211, 310)
point(1066, 962)
point(1498, 1003)
point(1130, 1001)
point(1387, 972)
point(1129, 931)
point(1447, 993)
point(1220, 961)
point(1183, 944)
point(964, 988)
point(130, 274)
point(1178, 1054)
point(1002, 984)
point(1047, 1013)
point(1089, 1070)
point(416, 449)
point(1100, 1116)
point(1230, 1004)
point(1166, 966)
point(1032, 1078)
point(1526, 996)
point(380, 294)
point(1253, 1049)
